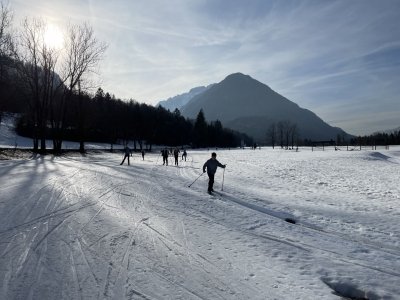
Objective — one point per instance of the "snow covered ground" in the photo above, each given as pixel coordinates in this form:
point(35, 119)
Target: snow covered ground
point(84, 227)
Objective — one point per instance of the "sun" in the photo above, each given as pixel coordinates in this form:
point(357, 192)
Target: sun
point(53, 37)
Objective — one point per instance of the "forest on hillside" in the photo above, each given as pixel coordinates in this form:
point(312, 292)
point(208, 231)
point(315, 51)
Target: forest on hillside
point(50, 89)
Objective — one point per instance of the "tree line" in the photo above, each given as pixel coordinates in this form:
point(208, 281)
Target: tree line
point(286, 135)
point(50, 88)
point(392, 138)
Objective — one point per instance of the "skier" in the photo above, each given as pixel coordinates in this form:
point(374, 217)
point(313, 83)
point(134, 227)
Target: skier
point(176, 155)
point(211, 166)
point(127, 154)
point(184, 154)
point(164, 154)
point(143, 153)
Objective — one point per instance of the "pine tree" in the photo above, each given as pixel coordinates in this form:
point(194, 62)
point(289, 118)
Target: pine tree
point(200, 138)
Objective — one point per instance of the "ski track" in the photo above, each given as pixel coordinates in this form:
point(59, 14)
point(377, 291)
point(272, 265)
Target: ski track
point(323, 251)
point(281, 216)
point(104, 213)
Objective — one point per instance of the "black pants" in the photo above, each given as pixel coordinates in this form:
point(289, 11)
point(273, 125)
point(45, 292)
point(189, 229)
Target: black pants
point(210, 181)
point(126, 156)
point(176, 160)
point(165, 160)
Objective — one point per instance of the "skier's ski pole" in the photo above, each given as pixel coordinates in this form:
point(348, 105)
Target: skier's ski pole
point(223, 177)
point(195, 180)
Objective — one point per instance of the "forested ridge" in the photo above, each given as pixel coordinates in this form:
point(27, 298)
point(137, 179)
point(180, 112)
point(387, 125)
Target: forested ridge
point(104, 118)
point(50, 87)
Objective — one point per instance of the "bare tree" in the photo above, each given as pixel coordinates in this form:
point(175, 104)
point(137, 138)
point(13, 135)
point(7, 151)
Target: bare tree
point(281, 131)
point(5, 25)
point(287, 133)
point(286, 130)
point(271, 134)
point(5, 45)
point(36, 69)
point(82, 56)
point(294, 134)
point(52, 77)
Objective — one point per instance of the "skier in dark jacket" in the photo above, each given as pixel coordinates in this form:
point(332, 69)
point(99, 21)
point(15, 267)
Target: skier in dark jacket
point(127, 154)
point(211, 165)
point(176, 155)
point(184, 154)
point(164, 154)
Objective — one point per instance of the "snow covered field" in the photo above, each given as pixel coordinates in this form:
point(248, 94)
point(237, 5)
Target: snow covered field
point(84, 227)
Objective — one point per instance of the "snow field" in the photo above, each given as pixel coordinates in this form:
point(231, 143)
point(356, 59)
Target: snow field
point(83, 227)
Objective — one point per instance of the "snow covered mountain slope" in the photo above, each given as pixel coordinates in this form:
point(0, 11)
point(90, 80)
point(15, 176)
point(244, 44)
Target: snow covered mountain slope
point(83, 227)
point(8, 137)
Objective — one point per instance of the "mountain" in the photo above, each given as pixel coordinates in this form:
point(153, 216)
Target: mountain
point(247, 105)
point(182, 99)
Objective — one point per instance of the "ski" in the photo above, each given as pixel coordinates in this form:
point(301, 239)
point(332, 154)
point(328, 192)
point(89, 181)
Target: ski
point(214, 193)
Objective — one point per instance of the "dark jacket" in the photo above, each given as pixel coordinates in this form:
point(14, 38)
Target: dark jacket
point(212, 165)
point(164, 153)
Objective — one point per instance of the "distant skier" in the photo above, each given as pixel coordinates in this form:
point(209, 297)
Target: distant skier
point(127, 154)
point(211, 166)
point(176, 155)
point(164, 154)
point(184, 154)
point(143, 153)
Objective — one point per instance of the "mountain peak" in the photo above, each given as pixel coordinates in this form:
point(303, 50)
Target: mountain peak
point(240, 81)
point(238, 76)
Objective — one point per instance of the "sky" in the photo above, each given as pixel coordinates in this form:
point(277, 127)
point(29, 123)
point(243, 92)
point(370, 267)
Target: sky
point(339, 59)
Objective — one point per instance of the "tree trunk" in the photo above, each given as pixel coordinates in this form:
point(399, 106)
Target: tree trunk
point(43, 145)
point(35, 144)
point(82, 147)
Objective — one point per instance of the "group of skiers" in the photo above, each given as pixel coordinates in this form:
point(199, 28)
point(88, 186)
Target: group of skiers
point(165, 152)
point(210, 166)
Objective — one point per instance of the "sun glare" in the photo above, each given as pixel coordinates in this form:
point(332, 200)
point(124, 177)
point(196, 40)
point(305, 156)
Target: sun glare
point(53, 37)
